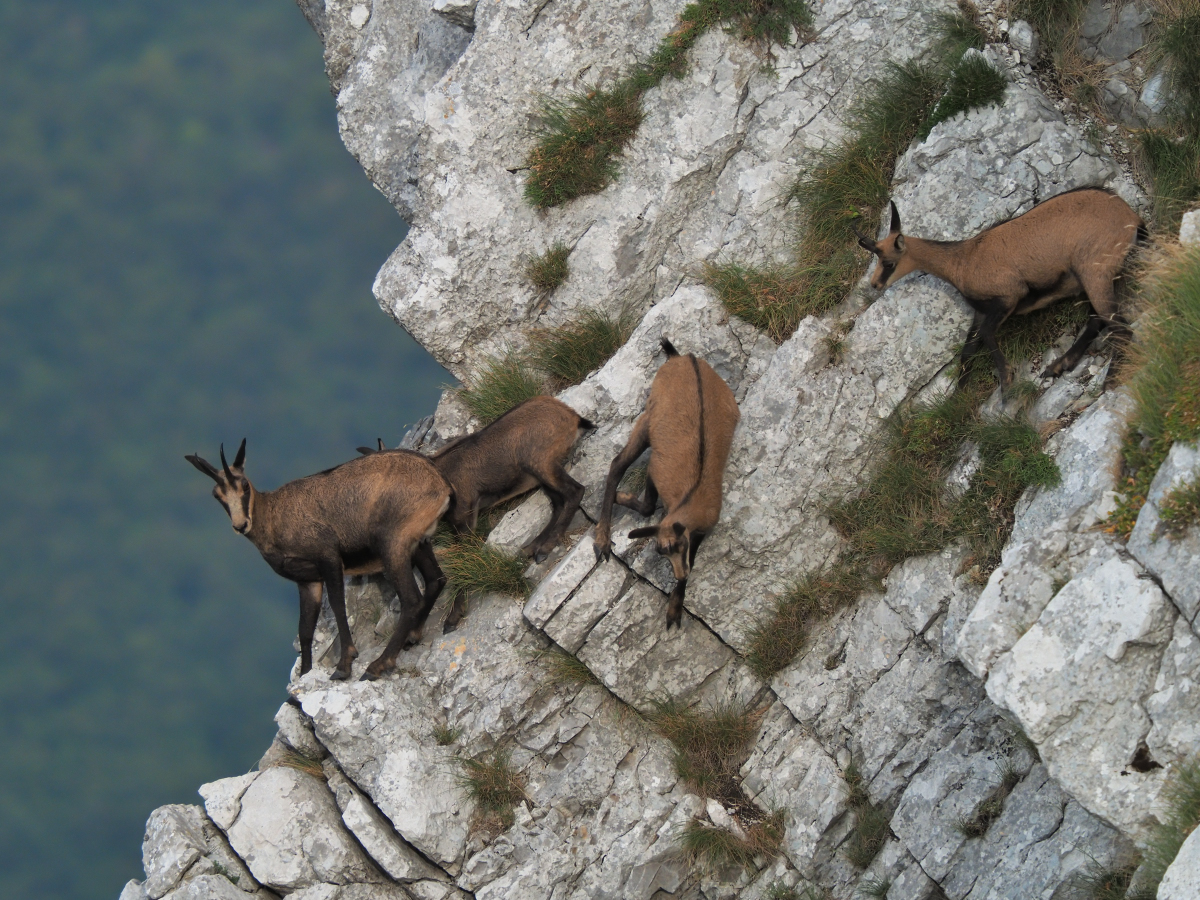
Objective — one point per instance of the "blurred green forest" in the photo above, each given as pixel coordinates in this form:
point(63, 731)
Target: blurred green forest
point(186, 253)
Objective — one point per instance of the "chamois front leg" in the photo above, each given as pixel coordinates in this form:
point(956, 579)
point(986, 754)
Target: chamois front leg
point(334, 578)
point(675, 604)
point(987, 331)
point(639, 440)
point(310, 611)
point(435, 580)
point(970, 348)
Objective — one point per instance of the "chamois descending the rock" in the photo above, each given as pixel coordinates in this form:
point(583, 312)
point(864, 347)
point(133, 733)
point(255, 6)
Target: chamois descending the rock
point(1074, 243)
point(688, 425)
point(368, 515)
point(525, 448)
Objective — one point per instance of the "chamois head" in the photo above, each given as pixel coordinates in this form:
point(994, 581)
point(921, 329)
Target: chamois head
point(893, 264)
point(673, 540)
point(233, 490)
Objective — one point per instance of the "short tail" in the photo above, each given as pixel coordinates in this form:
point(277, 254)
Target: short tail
point(668, 347)
point(586, 424)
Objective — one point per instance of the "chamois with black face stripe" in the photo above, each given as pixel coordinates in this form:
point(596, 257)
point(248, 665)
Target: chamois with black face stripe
point(1075, 243)
point(688, 425)
point(524, 449)
point(368, 515)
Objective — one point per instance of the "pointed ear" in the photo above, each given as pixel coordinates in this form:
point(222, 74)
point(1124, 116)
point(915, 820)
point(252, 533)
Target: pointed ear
point(899, 243)
point(240, 460)
point(646, 531)
point(678, 528)
point(203, 465)
point(895, 229)
point(366, 451)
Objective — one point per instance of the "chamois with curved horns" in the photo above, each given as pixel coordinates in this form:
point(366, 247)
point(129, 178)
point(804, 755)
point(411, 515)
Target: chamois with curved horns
point(524, 449)
point(688, 425)
point(1074, 243)
point(367, 515)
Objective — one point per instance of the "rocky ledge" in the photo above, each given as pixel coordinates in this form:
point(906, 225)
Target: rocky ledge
point(1071, 675)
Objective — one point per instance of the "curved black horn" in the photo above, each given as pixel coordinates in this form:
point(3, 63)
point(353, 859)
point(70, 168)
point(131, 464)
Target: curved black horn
point(240, 459)
point(865, 242)
point(225, 465)
point(895, 218)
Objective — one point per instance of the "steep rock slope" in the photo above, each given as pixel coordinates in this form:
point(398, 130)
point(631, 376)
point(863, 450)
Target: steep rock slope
point(1068, 673)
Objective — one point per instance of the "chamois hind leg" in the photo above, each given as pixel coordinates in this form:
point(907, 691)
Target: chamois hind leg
point(639, 440)
point(435, 580)
point(643, 506)
point(334, 579)
point(310, 611)
point(970, 348)
point(987, 331)
point(398, 569)
point(1103, 298)
point(570, 494)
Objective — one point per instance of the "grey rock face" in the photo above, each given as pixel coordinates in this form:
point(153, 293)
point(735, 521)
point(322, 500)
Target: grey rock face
point(183, 853)
point(1024, 40)
point(1175, 560)
point(1184, 874)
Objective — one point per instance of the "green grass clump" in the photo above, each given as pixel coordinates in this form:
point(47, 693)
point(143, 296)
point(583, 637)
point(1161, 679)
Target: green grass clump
point(851, 181)
point(871, 823)
point(580, 137)
point(815, 597)
point(713, 849)
point(710, 744)
point(500, 384)
point(474, 566)
point(1099, 882)
point(301, 763)
point(875, 887)
point(571, 352)
point(1181, 801)
point(906, 510)
point(1163, 376)
point(547, 271)
point(1180, 508)
point(566, 669)
point(445, 735)
point(988, 809)
point(1056, 21)
point(1174, 164)
point(493, 785)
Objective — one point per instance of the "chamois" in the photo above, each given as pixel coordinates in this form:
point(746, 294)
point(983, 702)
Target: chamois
point(524, 449)
point(1074, 243)
point(688, 426)
point(370, 514)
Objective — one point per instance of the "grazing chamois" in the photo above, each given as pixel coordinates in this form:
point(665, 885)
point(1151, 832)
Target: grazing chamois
point(1074, 243)
point(368, 515)
point(688, 426)
point(524, 449)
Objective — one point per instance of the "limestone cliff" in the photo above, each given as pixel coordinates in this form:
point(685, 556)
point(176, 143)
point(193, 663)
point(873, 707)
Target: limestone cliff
point(1073, 669)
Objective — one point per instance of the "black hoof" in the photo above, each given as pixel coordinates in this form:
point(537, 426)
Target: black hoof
point(449, 626)
point(540, 557)
point(339, 675)
point(368, 676)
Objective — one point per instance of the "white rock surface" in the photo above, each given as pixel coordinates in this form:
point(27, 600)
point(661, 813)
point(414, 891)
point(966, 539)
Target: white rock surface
point(1183, 876)
point(1173, 559)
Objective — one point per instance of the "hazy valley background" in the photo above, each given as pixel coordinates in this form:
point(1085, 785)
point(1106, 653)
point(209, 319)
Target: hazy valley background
point(186, 253)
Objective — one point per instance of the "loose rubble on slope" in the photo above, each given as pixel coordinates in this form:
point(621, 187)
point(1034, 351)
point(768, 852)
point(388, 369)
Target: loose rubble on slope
point(1072, 678)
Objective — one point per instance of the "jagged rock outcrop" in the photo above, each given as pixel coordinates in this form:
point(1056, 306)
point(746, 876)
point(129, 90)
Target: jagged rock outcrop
point(1067, 677)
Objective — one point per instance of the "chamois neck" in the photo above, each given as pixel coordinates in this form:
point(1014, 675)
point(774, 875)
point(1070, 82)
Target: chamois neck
point(940, 258)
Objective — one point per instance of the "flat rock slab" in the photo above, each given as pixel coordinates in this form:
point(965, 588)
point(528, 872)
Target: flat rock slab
point(291, 835)
point(1075, 682)
point(1174, 559)
point(1184, 874)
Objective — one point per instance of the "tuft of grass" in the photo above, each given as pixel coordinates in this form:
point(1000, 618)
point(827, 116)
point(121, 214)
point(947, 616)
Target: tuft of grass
point(713, 849)
point(875, 887)
point(974, 82)
point(1173, 162)
point(571, 352)
point(1163, 373)
point(492, 784)
point(905, 509)
point(547, 271)
point(989, 809)
point(301, 763)
point(1180, 508)
point(566, 669)
point(474, 566)
point(1098, 882)
point(500, 384)
point(579, 138)
point(871, 823)
point(850, 182)
point(1056, 21)
point(816, 596)
point(710, 744)
point(960, 31)
point(445, 735)
point(1181, 808)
